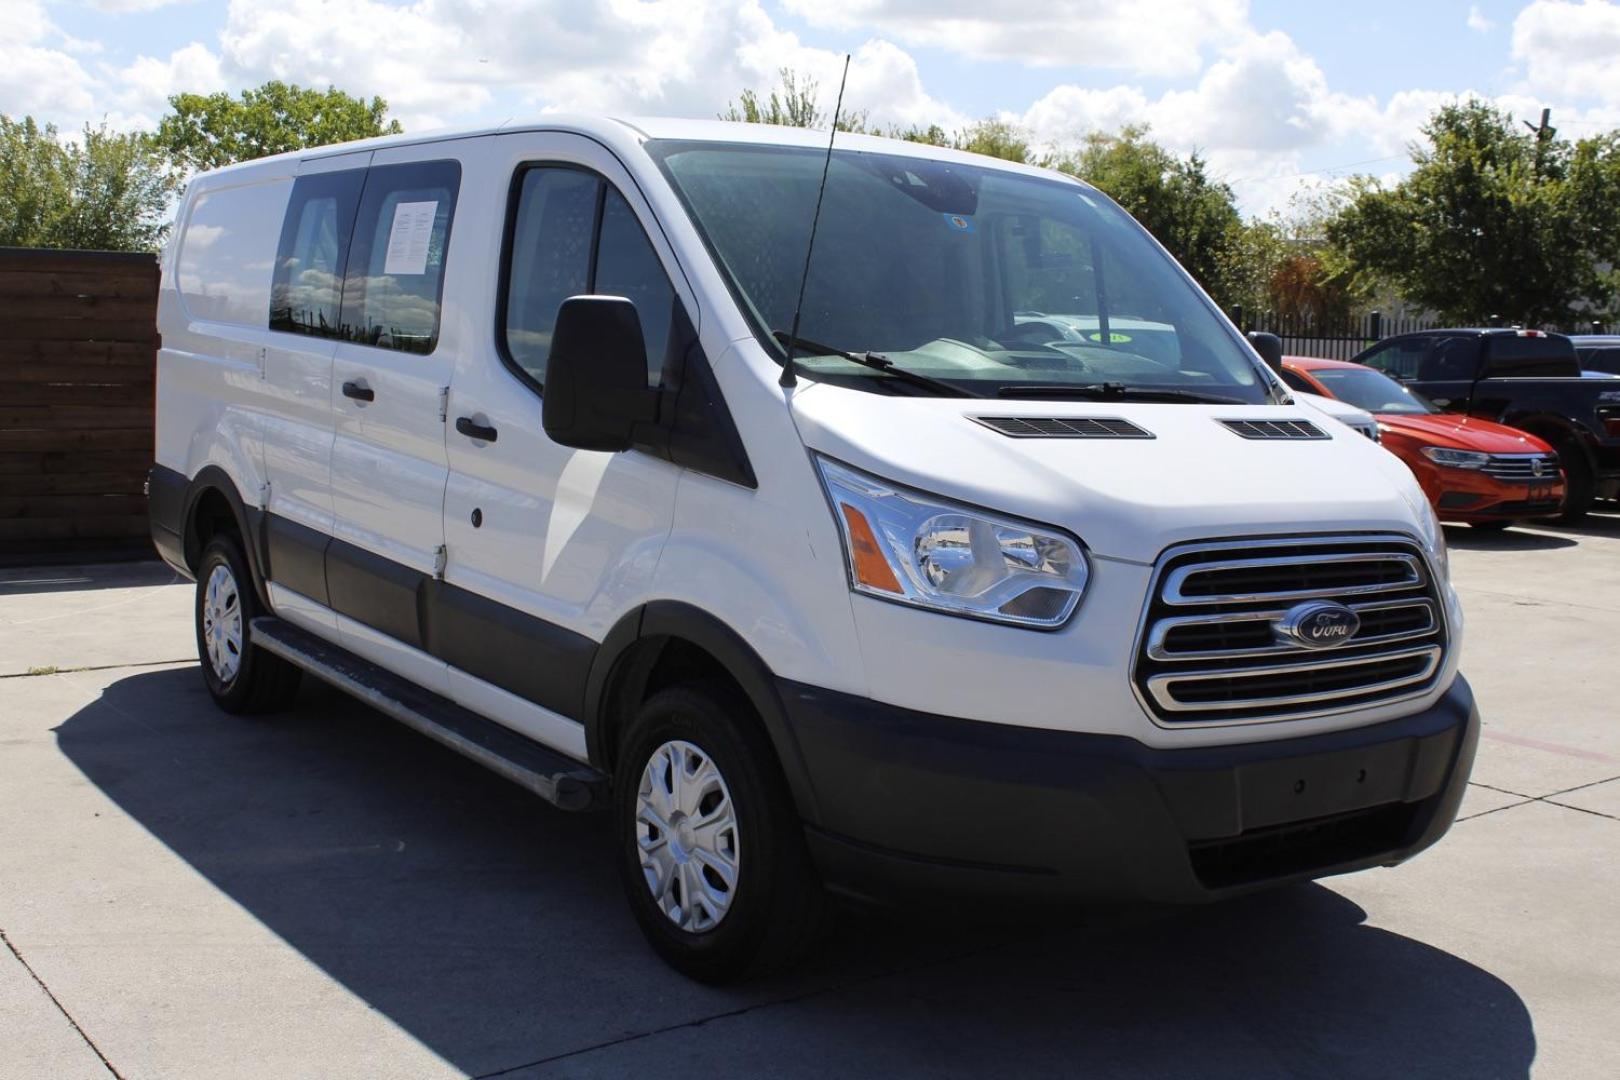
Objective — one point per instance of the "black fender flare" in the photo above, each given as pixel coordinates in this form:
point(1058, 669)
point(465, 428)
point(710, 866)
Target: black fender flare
point(249, 521)
point(618, 668)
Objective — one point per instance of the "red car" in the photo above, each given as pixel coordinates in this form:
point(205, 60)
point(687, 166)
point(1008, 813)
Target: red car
point(1472, 470)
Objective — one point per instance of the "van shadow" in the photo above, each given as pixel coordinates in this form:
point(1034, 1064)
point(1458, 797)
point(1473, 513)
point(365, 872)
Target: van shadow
point(490, 927)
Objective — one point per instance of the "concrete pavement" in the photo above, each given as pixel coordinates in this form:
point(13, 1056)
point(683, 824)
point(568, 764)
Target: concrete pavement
point(325, 894)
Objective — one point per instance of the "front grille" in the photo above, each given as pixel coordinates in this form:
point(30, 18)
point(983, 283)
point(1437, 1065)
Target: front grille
point(1522, 468)
point(1064, 427)
point(1210, 651)
point(1275, 429)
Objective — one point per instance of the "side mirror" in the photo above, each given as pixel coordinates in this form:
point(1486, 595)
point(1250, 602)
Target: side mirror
point(596, 377)
point(1270, 348)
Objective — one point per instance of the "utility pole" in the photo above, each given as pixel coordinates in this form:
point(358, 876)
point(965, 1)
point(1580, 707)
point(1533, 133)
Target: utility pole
point(1544, 135)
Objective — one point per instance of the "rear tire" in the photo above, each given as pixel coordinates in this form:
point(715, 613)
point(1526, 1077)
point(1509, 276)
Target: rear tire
point(241, 677)
point(711, 850)
point(1579, 489)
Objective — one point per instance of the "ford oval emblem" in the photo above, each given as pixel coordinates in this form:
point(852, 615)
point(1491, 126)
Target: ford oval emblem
point(1320, 624)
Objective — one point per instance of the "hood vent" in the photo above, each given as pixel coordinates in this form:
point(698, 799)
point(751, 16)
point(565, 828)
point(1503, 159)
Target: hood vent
point(1071, 427)
point(1275, 429)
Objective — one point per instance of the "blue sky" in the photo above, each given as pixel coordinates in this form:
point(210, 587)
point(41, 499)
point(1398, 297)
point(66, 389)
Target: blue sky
point(1278, 95)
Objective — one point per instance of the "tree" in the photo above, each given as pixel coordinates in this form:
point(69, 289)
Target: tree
point(210, 131)
point(1192, 215)
point(1491, 222)
point(792, 104)
point(108, 192)
point(35, 181)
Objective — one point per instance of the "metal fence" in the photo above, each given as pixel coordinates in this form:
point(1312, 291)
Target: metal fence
point(1342, 339)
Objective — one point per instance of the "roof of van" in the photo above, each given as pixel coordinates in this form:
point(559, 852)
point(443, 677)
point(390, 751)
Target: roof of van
point(637, 130)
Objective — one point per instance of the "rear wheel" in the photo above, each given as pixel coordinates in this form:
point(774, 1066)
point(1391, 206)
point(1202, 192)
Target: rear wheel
point(711, 850)
point(241, 677)
point(1578, 482)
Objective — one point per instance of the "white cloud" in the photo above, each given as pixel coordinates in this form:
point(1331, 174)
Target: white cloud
point(445, 61)
point(119, 7)
point(147, 84)
point(1570, 49)
point(1252, 114)
point(1478, 21)
point(1158, 37)
point(38, 77)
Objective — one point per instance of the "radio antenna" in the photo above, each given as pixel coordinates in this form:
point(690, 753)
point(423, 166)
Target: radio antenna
point(789, 378)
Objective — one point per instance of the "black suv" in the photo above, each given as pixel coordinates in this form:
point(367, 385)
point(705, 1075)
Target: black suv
point(1526, 379)
point(1599, 353)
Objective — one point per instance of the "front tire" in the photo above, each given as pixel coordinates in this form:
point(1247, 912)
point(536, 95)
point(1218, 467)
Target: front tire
point(1579, 485)
point(241, 677)
point(711, 850)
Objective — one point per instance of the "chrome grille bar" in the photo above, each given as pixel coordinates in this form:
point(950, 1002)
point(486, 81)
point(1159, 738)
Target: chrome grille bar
point(1158, 646)
point(1209, 651)
point(1522, 468)
point(1161, 686)
point(1175, 587)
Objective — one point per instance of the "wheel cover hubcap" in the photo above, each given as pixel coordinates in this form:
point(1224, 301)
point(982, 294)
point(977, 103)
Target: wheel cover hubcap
point(222, 623)
point(686, 834)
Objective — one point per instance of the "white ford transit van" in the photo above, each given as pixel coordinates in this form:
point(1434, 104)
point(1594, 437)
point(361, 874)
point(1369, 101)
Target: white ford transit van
point(1014, 573)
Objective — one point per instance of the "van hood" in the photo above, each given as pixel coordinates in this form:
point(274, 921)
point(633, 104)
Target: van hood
point(1126, 498)
point(1464, 433)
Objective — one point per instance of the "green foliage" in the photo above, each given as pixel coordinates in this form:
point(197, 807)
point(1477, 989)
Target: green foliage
point(109, 191)
point(1194, 216)
point(210, 131)
point(34, 181)
point(791, 104)
point(1492, 221)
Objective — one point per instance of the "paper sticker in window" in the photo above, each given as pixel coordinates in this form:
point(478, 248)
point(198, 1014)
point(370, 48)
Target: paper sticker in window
point(408, 239)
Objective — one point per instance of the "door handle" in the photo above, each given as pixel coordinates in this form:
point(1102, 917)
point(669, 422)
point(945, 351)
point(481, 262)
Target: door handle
point(473, 430)
point(359, 391)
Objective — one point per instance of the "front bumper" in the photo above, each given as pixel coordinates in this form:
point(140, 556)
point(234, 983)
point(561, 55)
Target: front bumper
point(913, 805)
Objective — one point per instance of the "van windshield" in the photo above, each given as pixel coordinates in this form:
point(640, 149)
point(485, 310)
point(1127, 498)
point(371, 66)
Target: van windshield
point(980, 280)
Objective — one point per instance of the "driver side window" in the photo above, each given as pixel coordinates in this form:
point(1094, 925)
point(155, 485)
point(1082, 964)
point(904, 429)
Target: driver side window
point(573, 234)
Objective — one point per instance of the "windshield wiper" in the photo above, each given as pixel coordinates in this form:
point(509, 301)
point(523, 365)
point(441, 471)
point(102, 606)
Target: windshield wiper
point(1115, 391)
point(875, 361)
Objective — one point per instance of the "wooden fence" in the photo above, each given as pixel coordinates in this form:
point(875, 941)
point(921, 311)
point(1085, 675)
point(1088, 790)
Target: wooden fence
point(77, 361)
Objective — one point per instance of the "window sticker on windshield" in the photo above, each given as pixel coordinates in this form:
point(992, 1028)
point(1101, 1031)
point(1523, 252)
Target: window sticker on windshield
point(1114, 337)
point(408, 239)
point(958, 222)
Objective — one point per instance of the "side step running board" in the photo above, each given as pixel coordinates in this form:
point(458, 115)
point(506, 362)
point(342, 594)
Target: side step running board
point(557, 779)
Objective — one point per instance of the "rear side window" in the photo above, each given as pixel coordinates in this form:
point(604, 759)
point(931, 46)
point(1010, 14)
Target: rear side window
point(1603, 360)
point(1399, 359)
point(223, 267)
point(1515, 357)
point(395, 275)
point(573, 234)
point(308, 285)
point(1451, 359)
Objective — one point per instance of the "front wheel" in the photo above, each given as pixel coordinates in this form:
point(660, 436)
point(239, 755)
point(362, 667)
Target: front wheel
point(711, 851)
point(241, 677)
point(1579, 486)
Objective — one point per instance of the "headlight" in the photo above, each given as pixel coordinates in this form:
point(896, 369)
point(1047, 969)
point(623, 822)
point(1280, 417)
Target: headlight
point(1456, 459)
point(904, 546)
